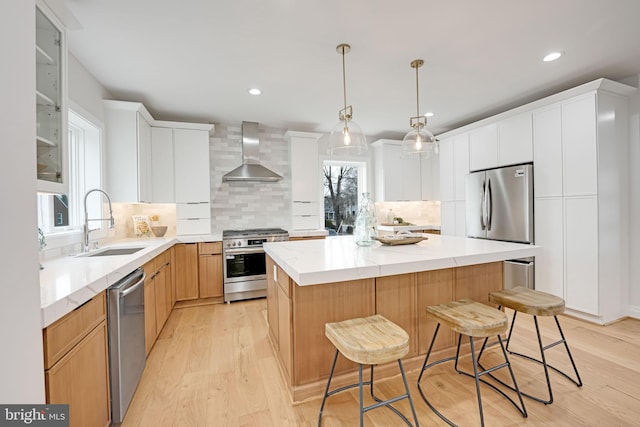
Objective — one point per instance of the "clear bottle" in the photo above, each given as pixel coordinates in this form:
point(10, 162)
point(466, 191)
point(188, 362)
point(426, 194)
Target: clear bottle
point(366, 226)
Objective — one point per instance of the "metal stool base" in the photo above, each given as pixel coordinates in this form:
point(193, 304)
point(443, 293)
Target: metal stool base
point(577, 381)
point(379, 402)
point(476, 375)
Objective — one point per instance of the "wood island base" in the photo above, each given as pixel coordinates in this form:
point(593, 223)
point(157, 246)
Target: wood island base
point(297, 315)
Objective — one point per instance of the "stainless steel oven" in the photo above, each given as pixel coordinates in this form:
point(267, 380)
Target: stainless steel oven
point(244, 261)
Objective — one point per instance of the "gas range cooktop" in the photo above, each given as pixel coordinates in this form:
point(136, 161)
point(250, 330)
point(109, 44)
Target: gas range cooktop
point(252, 238)
point(251, 232)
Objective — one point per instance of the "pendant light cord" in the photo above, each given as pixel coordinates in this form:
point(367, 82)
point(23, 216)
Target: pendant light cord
point(344, 87)
point(417, 95)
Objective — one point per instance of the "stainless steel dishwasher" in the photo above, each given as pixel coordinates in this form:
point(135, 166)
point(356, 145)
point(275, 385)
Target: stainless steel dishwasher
point(125, 315)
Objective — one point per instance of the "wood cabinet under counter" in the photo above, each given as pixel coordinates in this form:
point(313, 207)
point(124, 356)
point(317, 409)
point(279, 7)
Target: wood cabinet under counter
point(77, 343)
point(199, 273)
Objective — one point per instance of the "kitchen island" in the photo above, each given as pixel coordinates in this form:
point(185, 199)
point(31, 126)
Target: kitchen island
point(310, 283)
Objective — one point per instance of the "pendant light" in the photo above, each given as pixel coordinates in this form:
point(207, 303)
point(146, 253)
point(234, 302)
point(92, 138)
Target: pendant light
point(419, 141)
point(346, 138)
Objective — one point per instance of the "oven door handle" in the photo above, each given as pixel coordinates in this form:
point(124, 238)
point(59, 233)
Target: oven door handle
point(242, 251)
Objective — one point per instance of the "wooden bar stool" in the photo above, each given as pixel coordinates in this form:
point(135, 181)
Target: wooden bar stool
point(467, 317)
point(371, 341)
point(536, 303)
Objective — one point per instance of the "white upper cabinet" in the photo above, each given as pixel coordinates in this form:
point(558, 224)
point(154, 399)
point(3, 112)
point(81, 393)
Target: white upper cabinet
point(128, 149)
point(483, 147)
point(515, 140)
point(547, 158)
point(397, 178)
point(306, 181)
point(579, 136)
point(505, 142)
point(51, 103)
point(150, 161)
point(192, 176)
point(162, 171)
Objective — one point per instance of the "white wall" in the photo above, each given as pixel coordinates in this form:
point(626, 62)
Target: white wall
point(21, 367)
point(634, 203)
point(86, 91)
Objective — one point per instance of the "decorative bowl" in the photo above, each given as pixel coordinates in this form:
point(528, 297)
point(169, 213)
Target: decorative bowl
point(159, 230)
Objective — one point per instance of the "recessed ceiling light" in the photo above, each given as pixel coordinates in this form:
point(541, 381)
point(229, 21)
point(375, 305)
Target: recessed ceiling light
point(428, 114)
point(552, 56)
point(255, 91)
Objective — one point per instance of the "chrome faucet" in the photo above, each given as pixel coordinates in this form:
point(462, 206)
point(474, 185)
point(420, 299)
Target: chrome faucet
point(85, 227)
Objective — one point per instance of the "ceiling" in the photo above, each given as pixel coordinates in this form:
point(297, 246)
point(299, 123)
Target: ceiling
point(194, 60)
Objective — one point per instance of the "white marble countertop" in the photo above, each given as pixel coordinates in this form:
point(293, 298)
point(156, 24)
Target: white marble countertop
point(335, 259)
point(68, 282)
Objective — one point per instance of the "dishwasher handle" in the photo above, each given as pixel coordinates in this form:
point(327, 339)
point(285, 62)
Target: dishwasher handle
point(132, 282)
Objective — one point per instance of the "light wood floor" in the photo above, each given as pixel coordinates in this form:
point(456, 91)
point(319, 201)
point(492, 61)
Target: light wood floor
point(213, 366)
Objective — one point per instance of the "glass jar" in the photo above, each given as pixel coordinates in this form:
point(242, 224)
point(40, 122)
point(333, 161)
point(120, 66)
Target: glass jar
point(366, 226)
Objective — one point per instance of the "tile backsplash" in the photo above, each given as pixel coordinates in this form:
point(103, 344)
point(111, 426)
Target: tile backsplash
point(238, 205)
point(421, 213)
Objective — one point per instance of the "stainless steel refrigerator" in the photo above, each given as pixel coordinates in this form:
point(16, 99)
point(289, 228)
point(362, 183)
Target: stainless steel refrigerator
point(499, 206)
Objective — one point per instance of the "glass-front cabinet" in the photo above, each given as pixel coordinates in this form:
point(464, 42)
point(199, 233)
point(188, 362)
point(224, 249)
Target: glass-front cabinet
point(51, 109)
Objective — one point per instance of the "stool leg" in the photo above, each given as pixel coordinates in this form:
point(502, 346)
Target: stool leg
point(326, 390)
point(406, 387)
point(578, 380)
point(426, 366)
point(388, 403)
point(477, 379)
point(361, 396)
point(543, 359)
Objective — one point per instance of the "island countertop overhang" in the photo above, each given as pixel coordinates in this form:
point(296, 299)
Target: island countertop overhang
point(337, 259)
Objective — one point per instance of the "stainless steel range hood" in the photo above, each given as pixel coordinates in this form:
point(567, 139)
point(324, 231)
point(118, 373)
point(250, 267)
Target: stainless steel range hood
point(251, 169)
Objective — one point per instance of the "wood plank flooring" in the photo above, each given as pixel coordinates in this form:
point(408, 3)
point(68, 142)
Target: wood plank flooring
point(213, 366)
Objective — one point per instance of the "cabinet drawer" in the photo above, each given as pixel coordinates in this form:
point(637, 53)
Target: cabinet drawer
point(210, 248)
point(305, 222)
point(61, 336)
point(192, 210)
point(304, 208)
point(193, 226)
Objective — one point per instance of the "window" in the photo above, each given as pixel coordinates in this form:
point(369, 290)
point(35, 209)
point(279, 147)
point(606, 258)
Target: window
point(343, 184)
point(59, 213)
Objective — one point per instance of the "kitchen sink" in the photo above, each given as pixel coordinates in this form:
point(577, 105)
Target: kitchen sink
point(112, 252)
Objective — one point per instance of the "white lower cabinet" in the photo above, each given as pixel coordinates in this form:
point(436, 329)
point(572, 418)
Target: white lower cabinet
point(581, 254)
point(461, 217)
point(452, 218)
point(448, 218)
point(549, 267)
point(447, 186)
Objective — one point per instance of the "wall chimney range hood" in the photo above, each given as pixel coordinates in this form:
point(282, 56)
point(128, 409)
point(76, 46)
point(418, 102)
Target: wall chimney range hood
point(251, 169)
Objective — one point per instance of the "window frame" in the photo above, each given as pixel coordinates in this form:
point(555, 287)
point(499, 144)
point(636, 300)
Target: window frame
point(82, 124)
point(361, 168)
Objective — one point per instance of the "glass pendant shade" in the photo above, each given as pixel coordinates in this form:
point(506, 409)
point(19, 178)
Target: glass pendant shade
point(419, 140)
point(347, 139)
